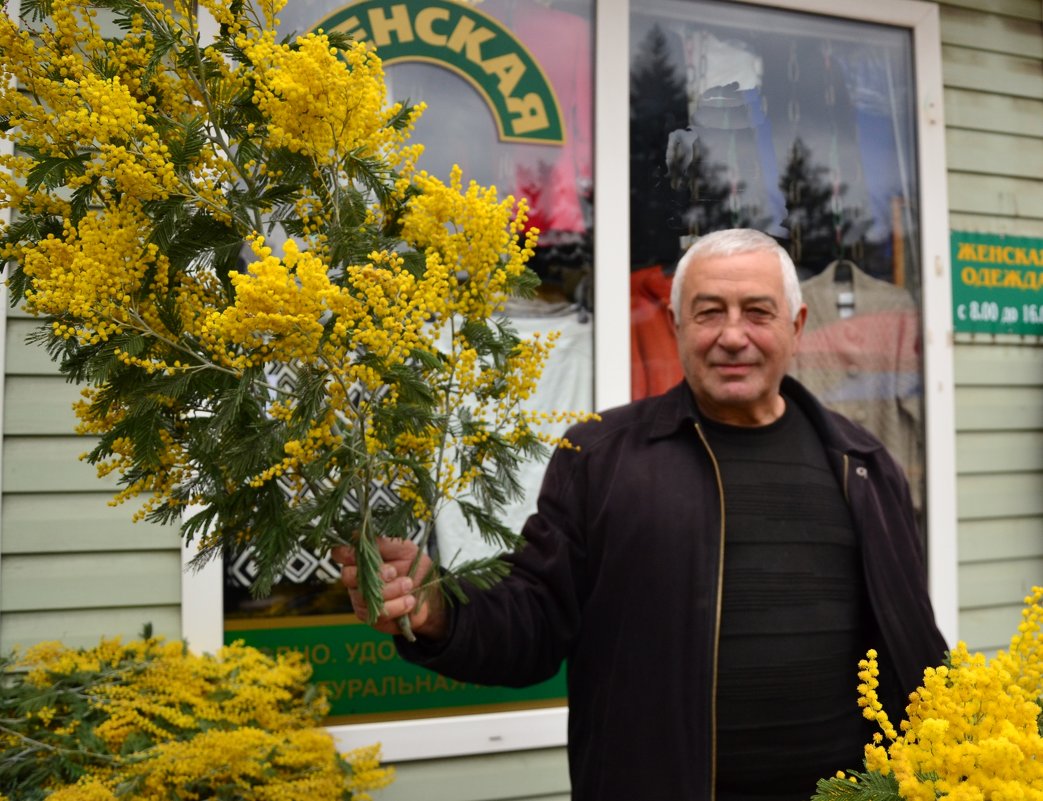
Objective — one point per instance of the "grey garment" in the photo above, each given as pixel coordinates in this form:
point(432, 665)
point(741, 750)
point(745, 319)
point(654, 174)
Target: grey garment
point(867, 366)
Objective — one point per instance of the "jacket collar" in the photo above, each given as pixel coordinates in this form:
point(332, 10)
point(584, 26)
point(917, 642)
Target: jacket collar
point(673, 411)
point(835, 430)
point(676, 410)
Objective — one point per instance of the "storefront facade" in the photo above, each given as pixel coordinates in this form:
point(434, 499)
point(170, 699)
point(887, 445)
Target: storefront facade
point(895, 150)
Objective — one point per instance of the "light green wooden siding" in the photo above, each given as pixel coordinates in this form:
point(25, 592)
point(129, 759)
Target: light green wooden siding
point(993, 74)
point(84, 627)
point(81, 522)
point(521, 776)
point(72, 567)
point(1025, 9)
point(999, 463)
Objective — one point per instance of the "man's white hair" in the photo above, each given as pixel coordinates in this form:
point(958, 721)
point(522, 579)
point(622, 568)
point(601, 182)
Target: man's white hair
point(732, 242)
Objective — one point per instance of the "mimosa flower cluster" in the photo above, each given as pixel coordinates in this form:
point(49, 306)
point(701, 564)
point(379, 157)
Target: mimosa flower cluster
point(971, 732)
point(273, 311)
point(150, 721)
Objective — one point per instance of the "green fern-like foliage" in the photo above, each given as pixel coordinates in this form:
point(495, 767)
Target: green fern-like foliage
point(108, 721)
point(256, 398)
point(858, 786)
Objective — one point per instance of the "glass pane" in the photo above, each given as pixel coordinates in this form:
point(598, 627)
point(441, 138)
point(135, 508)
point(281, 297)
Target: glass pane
point(488, 112)
point(801, 126)
point(509, 90)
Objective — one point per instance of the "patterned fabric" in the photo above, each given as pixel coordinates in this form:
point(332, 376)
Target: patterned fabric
point(867, 366)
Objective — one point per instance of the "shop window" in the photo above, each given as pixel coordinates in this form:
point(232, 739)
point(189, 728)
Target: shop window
point(811, 127)
point(804, 127)
point(509, 92)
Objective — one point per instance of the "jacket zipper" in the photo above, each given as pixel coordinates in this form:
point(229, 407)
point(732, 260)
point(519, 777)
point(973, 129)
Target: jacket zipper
point(717, 622)
point(847, 469)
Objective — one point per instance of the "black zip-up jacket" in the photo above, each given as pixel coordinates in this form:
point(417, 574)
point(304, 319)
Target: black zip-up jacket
point(621, 577)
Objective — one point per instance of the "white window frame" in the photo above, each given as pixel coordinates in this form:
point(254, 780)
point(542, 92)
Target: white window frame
point(202, 608)
point(7, 149)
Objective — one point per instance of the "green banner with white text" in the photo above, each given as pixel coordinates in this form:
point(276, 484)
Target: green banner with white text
point(365, 680)
point(997, 284)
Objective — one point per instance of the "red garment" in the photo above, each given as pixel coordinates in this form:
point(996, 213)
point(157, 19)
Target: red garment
point(654, 364)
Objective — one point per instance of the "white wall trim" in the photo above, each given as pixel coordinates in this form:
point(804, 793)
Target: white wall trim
point(611, 204)
point(467, 734)
point(202, 602)
point(939, 345)
point(6, 148)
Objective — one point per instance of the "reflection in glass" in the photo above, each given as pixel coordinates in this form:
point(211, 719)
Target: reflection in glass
point(460, 127)
point(801, 126)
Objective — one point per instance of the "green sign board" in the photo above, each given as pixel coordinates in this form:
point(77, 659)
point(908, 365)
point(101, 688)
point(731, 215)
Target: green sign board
point(365, 679)
point(471, 44)
point(997, 284)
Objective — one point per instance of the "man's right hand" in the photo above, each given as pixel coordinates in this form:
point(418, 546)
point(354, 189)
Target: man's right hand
point(427, 616)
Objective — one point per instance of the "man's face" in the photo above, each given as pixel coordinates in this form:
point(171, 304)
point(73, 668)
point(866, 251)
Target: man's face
point(736, 336)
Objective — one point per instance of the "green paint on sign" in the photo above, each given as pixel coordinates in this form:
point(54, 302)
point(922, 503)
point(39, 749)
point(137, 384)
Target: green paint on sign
point(997, 284)
point(471, 44)
point(366, 680)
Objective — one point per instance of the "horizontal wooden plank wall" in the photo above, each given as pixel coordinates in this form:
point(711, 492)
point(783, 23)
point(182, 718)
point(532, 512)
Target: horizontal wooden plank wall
point(73, 567)
point(993, 75)
point(999, 462)
point(540, 775)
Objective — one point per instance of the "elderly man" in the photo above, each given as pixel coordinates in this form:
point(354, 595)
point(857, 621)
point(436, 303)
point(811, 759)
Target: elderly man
point(711, 564)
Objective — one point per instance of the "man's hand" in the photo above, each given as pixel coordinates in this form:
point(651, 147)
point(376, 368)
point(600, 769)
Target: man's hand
point(427, 616)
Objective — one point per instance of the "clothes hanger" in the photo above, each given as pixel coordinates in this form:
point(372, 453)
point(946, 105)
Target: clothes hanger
point(843, 279)
point(843, 273)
